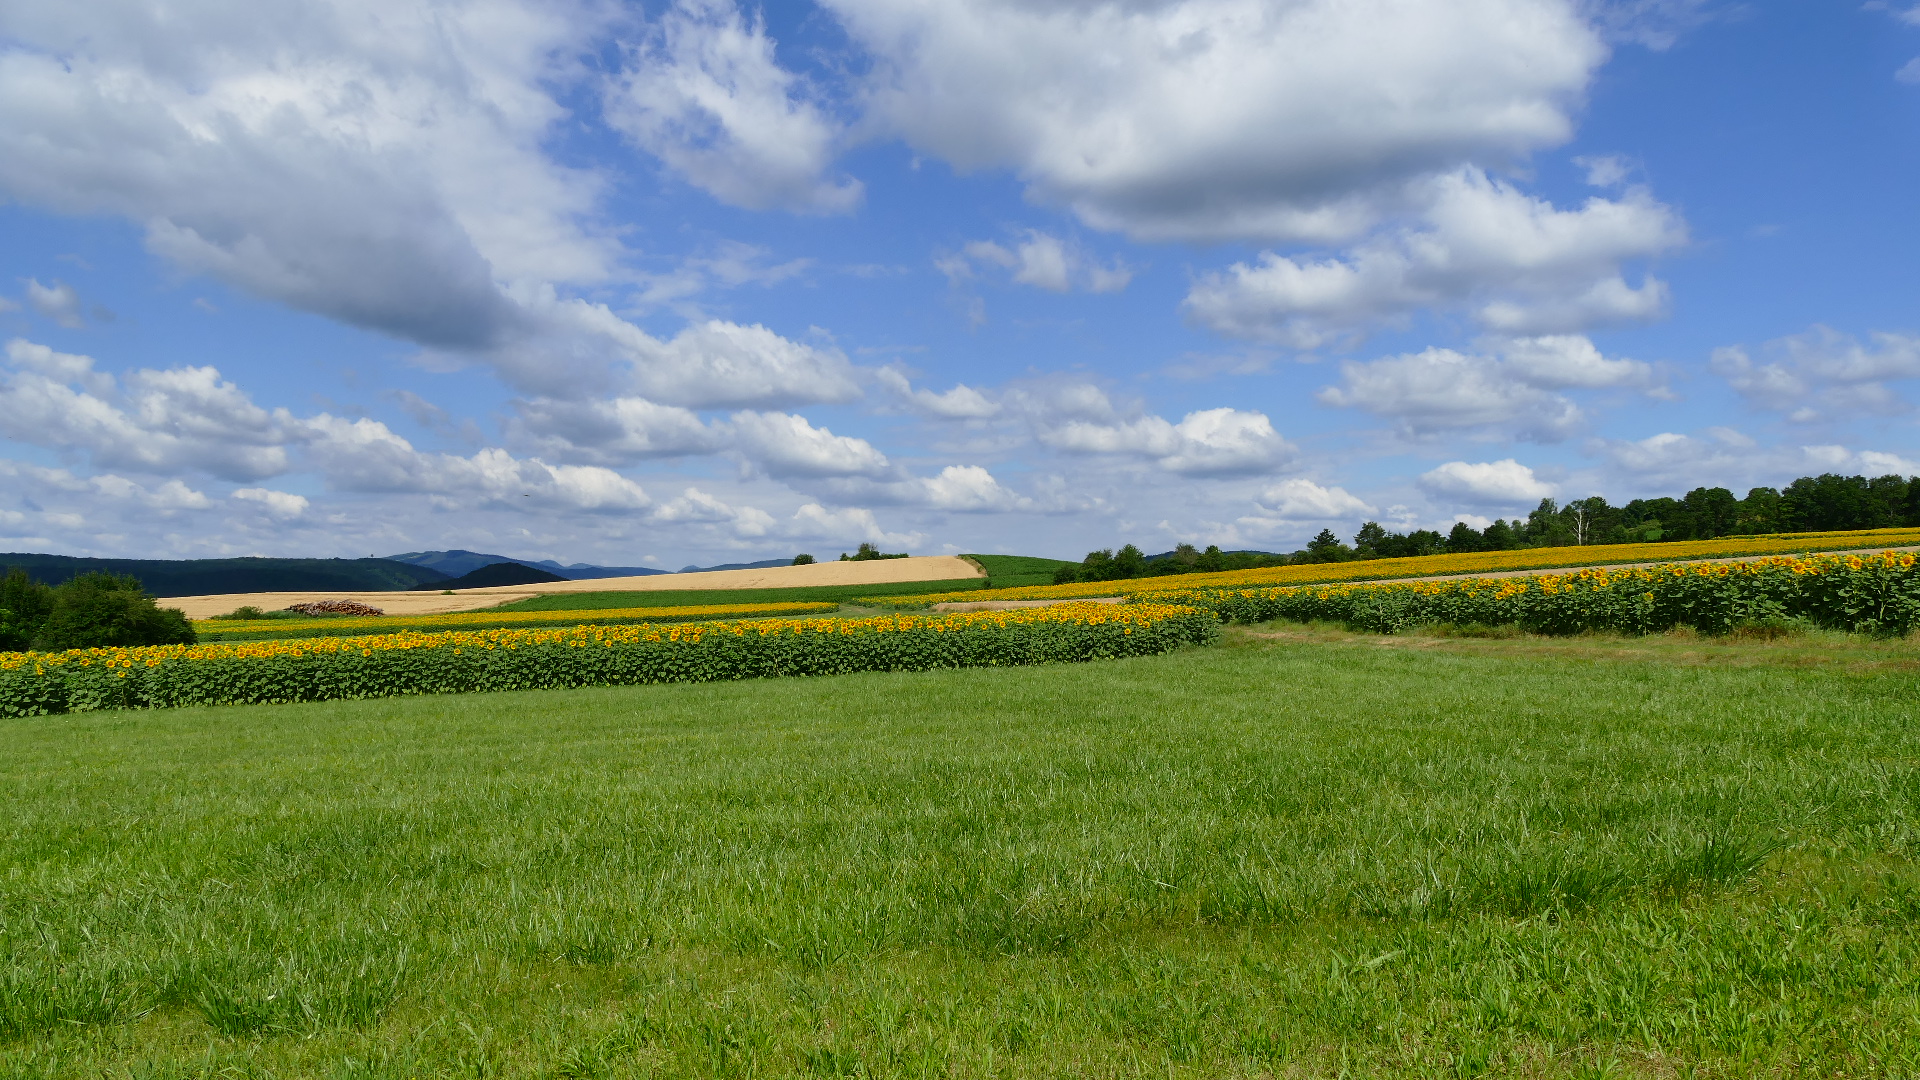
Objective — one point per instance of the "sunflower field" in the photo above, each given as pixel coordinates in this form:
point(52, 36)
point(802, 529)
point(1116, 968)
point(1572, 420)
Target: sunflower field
point(1476, 562)
point(1873, 593)
point(457, 661)
point(353, 626)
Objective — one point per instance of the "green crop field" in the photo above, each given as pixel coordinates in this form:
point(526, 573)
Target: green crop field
point(1303, 853)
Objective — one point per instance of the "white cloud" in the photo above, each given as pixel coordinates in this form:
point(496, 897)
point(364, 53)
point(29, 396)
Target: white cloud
point(969, 487)
point(1208, 442)
point(1043, 261)
point(849, 523)
point(1440, 389)
point(1493, 483)
point(707, 95)
point(1518, 264)
point(1304, 500)
point(712, 364)
point(1909, 72)
point(1508, 389)
point(1225, 119)
point(1823, 374)
point(58, 302)
point(280, 504)
point(377, 163)
point(612, 431)
point(961, 402)
point(696, 506)
point(787, 445)
point(152, 421)
point(365, 456)
point(167, 496)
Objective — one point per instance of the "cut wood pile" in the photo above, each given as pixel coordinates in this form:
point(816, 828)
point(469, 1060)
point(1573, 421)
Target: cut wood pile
point(334, 607)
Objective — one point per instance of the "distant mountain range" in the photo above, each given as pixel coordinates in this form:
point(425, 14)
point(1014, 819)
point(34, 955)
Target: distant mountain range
point(200, 577)
point(458, 562)
point(457, 569)
point(762, 565)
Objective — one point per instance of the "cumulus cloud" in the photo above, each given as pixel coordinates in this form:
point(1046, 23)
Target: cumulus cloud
point(612, 431)
point(969, 488)
point(788, 446)
point(1516, 263)
point(1043, 261)
point(1510, 388)
point(1303, 500)
point(151, 421)
point(381, 164)
point(696, 506)
point(280, 504)
point(1823, 374)
point(707, 95)
point(961, 402)
point(1492, 483)
point(58, 301)
point(712, 364)
point(1210, 442)
point(848, 523)
point(1225, 119)
point(366, 456)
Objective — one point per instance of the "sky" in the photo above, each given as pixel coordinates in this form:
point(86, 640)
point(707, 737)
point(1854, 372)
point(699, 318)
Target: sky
point(696, 281)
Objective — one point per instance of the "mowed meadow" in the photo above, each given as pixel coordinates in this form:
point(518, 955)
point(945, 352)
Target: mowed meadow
point(1301, 852)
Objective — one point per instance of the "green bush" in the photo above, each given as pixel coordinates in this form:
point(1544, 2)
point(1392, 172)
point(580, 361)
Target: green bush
point(99, 610)
point(24, 605)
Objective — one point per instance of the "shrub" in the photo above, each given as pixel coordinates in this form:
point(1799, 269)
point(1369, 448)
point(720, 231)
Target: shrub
point(99, 610)
point(24, 606)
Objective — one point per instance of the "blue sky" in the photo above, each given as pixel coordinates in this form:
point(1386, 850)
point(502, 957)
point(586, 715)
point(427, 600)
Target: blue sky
point(681, 282)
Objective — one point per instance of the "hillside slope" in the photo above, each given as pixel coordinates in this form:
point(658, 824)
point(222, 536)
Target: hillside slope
point(196, 577)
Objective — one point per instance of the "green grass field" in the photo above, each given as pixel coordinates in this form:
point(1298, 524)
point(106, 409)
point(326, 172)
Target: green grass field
point(1301, 853)
point(1003, 571)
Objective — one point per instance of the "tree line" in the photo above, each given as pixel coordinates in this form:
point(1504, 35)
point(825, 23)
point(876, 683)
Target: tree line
point(1825, 503)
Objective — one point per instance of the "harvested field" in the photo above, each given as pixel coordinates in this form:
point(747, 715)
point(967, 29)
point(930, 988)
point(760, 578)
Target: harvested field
point(875, 572)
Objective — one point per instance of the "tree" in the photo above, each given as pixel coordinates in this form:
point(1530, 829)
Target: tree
point(1369, 540)
point(24, 607)
point(1709, 513)
point(1210, 560)
point(1128, 562)
point(802, 560)
point(1464, 538)
point(1499, 536)
point(109, 610)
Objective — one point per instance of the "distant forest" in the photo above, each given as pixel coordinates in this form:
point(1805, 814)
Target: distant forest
point(1825, 503)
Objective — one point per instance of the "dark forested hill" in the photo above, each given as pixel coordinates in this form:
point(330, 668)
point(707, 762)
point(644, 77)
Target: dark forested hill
point(196, 577)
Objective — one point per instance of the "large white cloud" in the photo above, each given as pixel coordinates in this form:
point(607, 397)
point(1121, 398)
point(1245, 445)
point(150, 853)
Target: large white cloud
point(707, 95)
point(1516, 263)
point(1303, 500)
point(152, 420)
point(1489, 483)
point(786, 445)
point(1509, 389)
point(1213, 442)
point(378, 163)
point(1225, 119)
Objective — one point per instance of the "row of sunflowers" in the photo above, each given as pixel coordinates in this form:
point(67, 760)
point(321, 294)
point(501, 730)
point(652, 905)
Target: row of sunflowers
point(354, 626)
point(1478, 562)
point(455, 661)
point(1873, 593)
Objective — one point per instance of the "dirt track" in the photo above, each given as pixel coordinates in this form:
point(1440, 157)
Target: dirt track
point(875, 572)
